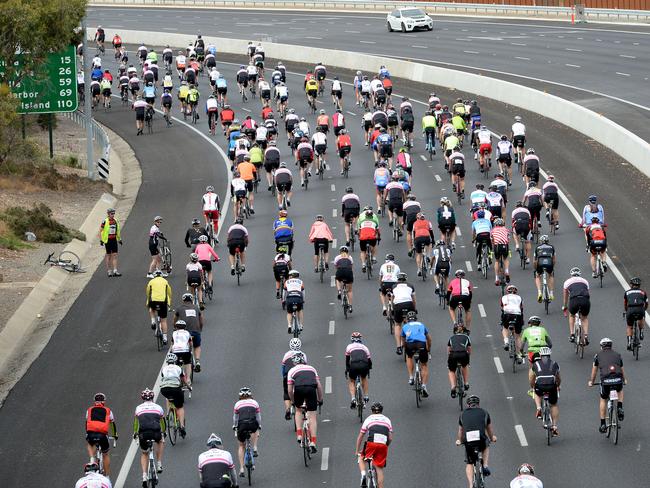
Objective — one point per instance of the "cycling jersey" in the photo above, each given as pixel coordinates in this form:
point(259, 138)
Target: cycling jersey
point(577, 287)
point(422, 228)
point(460, 287)
point(302, 375)
point(428, 122)
point(213, 464)
point(368, 228)
point(511, 303)
point(480, 226)
point(93, 480)
point(537, 337)
point(283, 228)
point(378, 428)
point(526, 481)
point(170, 376)
point(99, 419)
point(518, 129)
point(477, 197)
point(403, 293)
point(381, 177)
point(311, 85)
point(414, 332)
point(149, 416)
point(500, 235)
point(181, 341)
point(388, 272)
point(446, 215)
point(205, 252)
point(158, 290)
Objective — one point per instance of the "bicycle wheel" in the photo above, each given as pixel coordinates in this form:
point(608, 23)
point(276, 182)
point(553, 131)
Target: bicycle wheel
point(159, 337)
point(306, 454)
point(610, 418)
point(418, 386)
point(173, 428)
point(72, 263)
point(248, 462)
point(294, 326)
point(615, 426)
point(547, 424)
point(635, 341)
point(460, 386)
point(345, 304)
point(359, 398)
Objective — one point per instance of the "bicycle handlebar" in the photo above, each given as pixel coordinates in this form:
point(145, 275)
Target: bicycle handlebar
point(48, 258)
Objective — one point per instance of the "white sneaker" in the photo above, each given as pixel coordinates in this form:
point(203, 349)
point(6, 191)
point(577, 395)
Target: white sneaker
point(149, 275)
point(159, 467)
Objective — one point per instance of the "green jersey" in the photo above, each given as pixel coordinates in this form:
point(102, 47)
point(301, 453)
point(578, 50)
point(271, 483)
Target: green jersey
point(451, 142)
point(363, 217)
point(537, 337)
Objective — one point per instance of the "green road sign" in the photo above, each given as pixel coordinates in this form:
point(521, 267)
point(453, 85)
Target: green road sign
point(53, 88)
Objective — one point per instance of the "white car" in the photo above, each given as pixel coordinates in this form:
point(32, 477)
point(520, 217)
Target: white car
point(408, 19)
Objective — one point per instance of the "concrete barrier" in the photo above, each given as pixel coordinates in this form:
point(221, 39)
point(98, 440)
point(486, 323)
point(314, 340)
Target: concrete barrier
point(634, 150)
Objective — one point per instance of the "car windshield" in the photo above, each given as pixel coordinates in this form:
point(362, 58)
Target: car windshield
point(413, 12)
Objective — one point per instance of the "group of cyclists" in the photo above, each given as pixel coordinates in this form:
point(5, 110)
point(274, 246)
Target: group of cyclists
point(253, 146)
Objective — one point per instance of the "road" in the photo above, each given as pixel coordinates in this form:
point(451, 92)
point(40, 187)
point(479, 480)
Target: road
point(107, 327)
point(601, 67)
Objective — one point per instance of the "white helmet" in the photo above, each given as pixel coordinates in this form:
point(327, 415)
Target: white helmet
point(295, 344)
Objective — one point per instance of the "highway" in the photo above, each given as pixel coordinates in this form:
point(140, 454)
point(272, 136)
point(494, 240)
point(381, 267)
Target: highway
point(106, 334)
point(602, 67)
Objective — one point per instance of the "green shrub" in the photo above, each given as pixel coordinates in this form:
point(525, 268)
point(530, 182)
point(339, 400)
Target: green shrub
point(39, 221)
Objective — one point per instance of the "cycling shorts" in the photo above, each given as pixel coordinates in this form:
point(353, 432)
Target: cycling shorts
point(517, 319)
point(174, 394)
point(417, 347)
point(455, 358)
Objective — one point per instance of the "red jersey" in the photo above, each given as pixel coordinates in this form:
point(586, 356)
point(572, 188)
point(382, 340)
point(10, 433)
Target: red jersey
point(266, 111)
point(422, 228)
point(343, 141)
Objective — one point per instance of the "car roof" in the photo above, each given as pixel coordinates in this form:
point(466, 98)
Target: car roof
point(414, 7)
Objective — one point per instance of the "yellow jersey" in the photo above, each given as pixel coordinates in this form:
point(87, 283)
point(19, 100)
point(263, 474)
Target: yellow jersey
point(182, 92)
point(158, 290)
point(311, 85)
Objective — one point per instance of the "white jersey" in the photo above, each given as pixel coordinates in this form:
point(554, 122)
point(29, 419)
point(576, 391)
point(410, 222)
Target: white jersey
point(281, 91)
point(214, 75)
point(388, 272)
point(181, 60)
point(303, 126)
point(80, 78)
point(500, 184)
point(336, 86)
point(365, 86)
point(511, 303)
point(263, 85)
point(319, 139)
point(251, 70)
point(210, 201)
point(238, 184)
point(376, 85)
point(168, 82)
point(526, 481)
point(293, 285)
point(215, 456)
point(402, 293)
point(97, 62)
point(484, 136)
point(170, 376)
point(211, 104)
point(193, 267)
point(441, 253)
point(478, 196)
point(181, 341)
point(518, 129)
point(504, 147)
point(494, 199)
point(261, 133)
point(93, 480)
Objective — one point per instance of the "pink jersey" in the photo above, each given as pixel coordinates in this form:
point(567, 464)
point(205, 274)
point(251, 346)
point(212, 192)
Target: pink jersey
point(460, 286)
point(205, 251)
point(320, 230)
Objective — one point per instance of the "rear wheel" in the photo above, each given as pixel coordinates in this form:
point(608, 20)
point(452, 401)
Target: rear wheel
point(389, 27)
point(403, 27)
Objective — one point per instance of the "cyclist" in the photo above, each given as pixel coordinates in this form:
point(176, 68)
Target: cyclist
point(475, 431)
point(100, 37)
point(635, 301)
point(546, 380)
point(283, 180)
point(358, 364)
point(172, 379)
point(459, 292)
point(149, 425)
point(422, 240)
point(441, 265)
point(246, 422)
point(415, 338)
point(344, 274)
point(429, 130)
point(531, 167)
point(206, 255)
point(447, 220)
point(459, 349)
point(283, 232)
point(388, 273)
point(304, 158)
point(93, 478)
point(481, 236)
point(350, 206)
point(535, 337)
point(295, 347)
point(338, 122)
point(305, 388)
point(166, 101)
point(544, 260)
point(294, 290)
point(159, 299)
point(344, 147)
point(379, 430)
point(211, 208)
point(105, 88)
point(182, 348)
point(411, 208)
point(612, 377)
point(281, 267)
point(100, 423)
point(395, 195)
point(518, 137)
point(183, 90)
point(216, 467)
point(194, 271)
point(478, 197)
point(369, 236)
point(551, 201)
point(356, 83)
point(500, 238)
point(337, 92)
point(495, 202)
point(404, 301)
point(140, 107)
point(212, 111)
point(504, 157)
point(457, 169)
point(533, 201)
point(526, 478)
point(189, 313)
point(149, 93)
point(512, 311)
point(320, 234)
point(194, 232)
point(407, 122)
point(238, 191)
point(522, 224)
point(319, 144)
point(193, 96)
point(381, 179)
point(311, 91)
point(248, 172)
point(596, 238)
point(592, 209)
point(577, 301)
point(272, 163)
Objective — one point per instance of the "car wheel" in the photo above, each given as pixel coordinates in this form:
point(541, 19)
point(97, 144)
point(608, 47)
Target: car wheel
point(430, 28)
point(390, 28)
point(403, 27)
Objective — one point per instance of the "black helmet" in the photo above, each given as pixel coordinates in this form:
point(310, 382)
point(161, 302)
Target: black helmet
point(411, 316)
point(376, 407)
point(349, 190)
point(635, 281)
point(401, 276)
point(473, 401)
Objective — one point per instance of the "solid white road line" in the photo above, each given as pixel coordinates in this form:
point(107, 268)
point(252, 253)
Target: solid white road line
point(332, 328)
point(497, 363)
point(468, 265)
point(324, 460)
point(622, 74)
point(423, 157)
point(332, 281)
point(481, 310)
point(333, 212)
point(627, 56)
point(572, 65)
point(328, 385)
point(522, 436)
point(458, 232)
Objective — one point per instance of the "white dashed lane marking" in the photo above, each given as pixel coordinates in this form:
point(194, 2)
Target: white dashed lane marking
point(437, 177)
point(481, 310)
point(572, 65)
point(497, 363)
point(332, 328)
point(333, 187)
point(622, 74)
point(521, 435)
point(328, 385)
point(468, 265)
point(325, 457)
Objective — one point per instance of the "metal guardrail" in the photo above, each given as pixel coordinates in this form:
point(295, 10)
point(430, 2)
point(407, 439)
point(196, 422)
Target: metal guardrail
point(386, 5)
point(99, 136)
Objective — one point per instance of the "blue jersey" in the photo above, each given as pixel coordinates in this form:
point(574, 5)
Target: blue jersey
point(381, 180)
point(212, 50)
point(383, 73)
point(384, 139)
point(221, 83)
point(415, 332)
point(283, 228)
point(587, 214)
point(149, 91)
point(481, 225)
point(405, 184)
point(97, 74)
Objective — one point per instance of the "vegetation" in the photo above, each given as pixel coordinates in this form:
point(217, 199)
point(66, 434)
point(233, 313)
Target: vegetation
point(39, 221)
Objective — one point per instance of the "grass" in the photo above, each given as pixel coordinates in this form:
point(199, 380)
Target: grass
point(9, 240)
point(38, 220)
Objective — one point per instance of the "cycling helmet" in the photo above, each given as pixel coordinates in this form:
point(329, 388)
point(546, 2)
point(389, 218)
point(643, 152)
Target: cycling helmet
point(356, 337)
point(499, 175)
point(519, 204)
point(530, 150)
point(480, 186)
point(302, 119)
point(376, 407)
point(438, 106)
point(545, 351)
point(504, 137)
point(390, 257)
point(283, 164)
point(344, 249)
point(480, 214)
point(322, 112)
point(440, 243)
point(401, 276)
point(420, 216)
point(473, 102)
point(473, 401)
point(203, 238)
point(342, 131)
point(187, 297)
point(382, 164)
point(196, 222)
point(635, 281)
point(550, 178)
point(319, 217)
point(295, 344)
point(171, 358)
point(593, 198)
point(412, 197)
point(499, 222)
point(444, 200)
point(511, 289)
point(395, 175)
point(100, 397)
point(245, 392)
point(283, 213)
point(147, 395)
point(91, 468)
point(459, 273)
point(575, 271)
point(235, 121)
point(358, 73)
point(299, 358)
point(532, 184)
point(365, 78)
point(605, 342)
point(459, 328)
point(369, 212)
point(526, 469)
point(157, 273)
point(157, 218)
point(518, 118)
point(239, 221)
point(543, 239)
point(214, 441)
point(180, 324)
point(411, 316)
point(272, 141)
point(194, 257)
point(349, 190)
point(534, 320)
point(492, 187)
point(294, 273)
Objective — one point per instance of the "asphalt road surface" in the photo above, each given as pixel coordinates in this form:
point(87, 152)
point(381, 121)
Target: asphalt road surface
point(105, 344)
point(601, 67)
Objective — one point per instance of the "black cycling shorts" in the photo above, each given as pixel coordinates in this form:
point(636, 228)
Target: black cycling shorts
point(455, 358)
point(420, 347)
point(174, 394)
point(579, 304)
point(306, 395)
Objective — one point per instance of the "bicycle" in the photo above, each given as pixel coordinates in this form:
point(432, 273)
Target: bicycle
point(441, 279)
point(368, 263)
point(207, 287)
point(635, 342)
point(430, 145)
point(165, 255)
point(322, 165)
point(512, 346)
point(152, 473)
point(371, 473)
point(295, 325)
point(522, 253)
point(479, 478)
point(460, 385)
point(485, 263)
point(306, 436)
point(600, 270)
point(238, 265)
point(124, 95)
point(249, 458)
point(345, 300)
point(321, 261)
point(459, 315)
point(66, 260)
point(459, 191)
point(546, 419)
point(346, 166)
point(397, 231)
point(283, 205)
point(502, 276)
point(195, 115)
point(546, 295)
point(173, 423)
point(417, 379)
point(99, 454)
point(353, 233)
point(282, 293)
point(424, 266)
point(148, 119)
point(158, 334)
point(390, 313)
point(611, 415)
point(535, 230)
point(358, 396)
